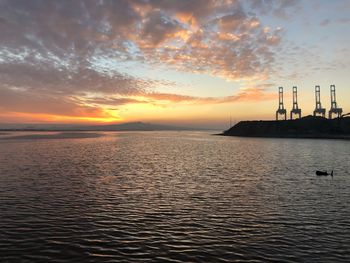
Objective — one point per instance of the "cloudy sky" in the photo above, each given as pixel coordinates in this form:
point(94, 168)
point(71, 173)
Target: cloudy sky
point(185, 62)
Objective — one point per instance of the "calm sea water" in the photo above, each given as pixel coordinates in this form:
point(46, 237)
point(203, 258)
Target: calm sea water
point(173, 197)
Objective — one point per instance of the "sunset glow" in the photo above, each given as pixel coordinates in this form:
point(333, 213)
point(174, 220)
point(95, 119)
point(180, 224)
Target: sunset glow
point(106, 117)
point(168, 61)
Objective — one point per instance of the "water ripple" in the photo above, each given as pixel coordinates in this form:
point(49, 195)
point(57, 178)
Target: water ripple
point(173, 197)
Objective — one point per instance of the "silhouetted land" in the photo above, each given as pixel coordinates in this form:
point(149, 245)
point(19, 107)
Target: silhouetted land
point(307, 127)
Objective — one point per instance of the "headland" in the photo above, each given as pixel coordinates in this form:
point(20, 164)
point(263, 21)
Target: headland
point(307, 127)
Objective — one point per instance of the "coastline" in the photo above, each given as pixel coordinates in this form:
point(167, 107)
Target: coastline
point(286, 136)
point(305, 128)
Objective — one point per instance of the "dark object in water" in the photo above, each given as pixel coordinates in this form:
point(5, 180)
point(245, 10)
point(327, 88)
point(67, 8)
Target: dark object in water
point(324, 173)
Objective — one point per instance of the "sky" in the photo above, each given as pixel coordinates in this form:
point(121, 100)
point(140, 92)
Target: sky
point(192, 63)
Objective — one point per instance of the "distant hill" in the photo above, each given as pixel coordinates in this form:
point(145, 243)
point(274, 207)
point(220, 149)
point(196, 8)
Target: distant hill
point(307, 127)
point(130, 126)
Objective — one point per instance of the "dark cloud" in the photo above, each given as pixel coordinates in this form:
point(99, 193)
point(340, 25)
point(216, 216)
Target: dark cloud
point(43, 78)
point(14, 100)
point(156, 28)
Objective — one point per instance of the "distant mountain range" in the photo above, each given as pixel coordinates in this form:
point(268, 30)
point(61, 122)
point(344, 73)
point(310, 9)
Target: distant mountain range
point(130, 126)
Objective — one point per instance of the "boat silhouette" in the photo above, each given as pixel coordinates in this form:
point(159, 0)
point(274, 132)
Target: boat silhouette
point(324, 173)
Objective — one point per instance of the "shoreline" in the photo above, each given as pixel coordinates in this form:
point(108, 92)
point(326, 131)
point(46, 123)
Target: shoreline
point(309, 127)
point(320, 137)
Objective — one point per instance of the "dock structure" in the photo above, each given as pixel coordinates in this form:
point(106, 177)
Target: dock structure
point(334, 107)
point(281, 110)
point(295, 110)
point(319, 111)
point(295, 113)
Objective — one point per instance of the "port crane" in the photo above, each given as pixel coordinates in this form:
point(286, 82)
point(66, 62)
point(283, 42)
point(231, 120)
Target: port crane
point(295, 110)
point(281, 110)
point(281, 113)
point(319, 110)
point(334, 106)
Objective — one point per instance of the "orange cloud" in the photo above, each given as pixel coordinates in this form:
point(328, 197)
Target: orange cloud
point(187, 18)
point(251, 94)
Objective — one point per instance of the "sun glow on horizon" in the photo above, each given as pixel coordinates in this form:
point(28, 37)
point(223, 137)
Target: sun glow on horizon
point(54, 118)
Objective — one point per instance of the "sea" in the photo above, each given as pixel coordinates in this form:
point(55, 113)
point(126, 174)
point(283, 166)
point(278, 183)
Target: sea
point(172, 196)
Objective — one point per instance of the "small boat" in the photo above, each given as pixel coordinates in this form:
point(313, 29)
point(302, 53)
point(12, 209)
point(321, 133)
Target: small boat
point(324, 173)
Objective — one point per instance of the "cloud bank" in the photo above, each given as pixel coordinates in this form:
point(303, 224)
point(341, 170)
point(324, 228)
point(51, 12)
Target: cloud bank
point(55, 56)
